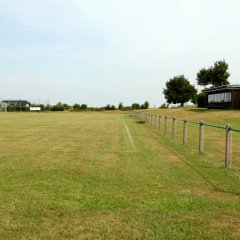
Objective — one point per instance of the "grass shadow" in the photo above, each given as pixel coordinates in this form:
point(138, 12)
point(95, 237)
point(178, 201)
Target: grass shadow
point(140, 122)
point(199, 110)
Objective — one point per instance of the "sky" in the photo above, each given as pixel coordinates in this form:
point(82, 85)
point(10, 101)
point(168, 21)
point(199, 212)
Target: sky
point(103, 52)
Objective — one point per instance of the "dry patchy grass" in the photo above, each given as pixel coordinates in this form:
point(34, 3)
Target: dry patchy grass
point(77, 176)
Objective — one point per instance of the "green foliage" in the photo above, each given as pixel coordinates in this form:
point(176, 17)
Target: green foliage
point(84, 107)
point(146, 105)
point(216, 75)
point(77, 106)
point(201, 100)
point(66, 106)
point(179, 90)
point(120, 106)
point(136, 106)
point(108, 107)
point(164, 105)
point(11, 108)
point(58, 107)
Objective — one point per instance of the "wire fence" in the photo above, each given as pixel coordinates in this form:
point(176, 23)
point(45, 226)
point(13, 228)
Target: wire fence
point(217, 143)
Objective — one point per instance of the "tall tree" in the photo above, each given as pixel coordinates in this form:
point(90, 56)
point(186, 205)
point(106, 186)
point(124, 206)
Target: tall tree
point(216, 75)
point(146, 105)
point(179, 90)
point(120, 106)
point(204, 76)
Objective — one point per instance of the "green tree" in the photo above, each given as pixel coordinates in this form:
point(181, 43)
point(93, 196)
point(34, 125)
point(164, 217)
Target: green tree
point(84, 106)
point(136, 106)
point(76, 106)
point(216, 75)
point(120, 106)
point(58, 107)
point(179, 90)
point(146, 105)
point(65, 106)
point(108, 107)
point(204, 76)
point(113, 107)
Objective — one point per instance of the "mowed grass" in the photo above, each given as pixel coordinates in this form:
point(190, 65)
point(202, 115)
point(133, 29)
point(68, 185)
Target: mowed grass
point(215, 138)
point(78, 176)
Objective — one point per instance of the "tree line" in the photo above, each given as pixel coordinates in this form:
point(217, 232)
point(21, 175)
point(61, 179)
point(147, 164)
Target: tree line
point(179, 90)
point(78, 107)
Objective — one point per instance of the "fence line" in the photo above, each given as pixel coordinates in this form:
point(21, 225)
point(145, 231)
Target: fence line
point(151, 119)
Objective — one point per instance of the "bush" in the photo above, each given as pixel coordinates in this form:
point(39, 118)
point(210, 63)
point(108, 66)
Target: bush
point(120, 106)
point(84, 106)
point(201, 100)
point(58, 107)
point(136, 106)
point(76, 107)
point(146, 105)
point(164, 105)
point(108, 107)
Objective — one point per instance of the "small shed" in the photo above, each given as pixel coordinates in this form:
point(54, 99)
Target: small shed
point(223, 97)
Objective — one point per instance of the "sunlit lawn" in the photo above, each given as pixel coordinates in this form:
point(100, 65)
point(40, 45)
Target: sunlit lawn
point(78, 176)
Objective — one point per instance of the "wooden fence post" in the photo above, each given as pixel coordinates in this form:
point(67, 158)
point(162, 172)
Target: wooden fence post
point(155, 121)
point(165, 130)
point(228, 151)
point(173, 128)
point(185, 132)
point(201, 137)
point(159, 123)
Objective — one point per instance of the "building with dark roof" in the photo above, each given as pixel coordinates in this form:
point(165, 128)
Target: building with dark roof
point(17, 103)
point(223, 97)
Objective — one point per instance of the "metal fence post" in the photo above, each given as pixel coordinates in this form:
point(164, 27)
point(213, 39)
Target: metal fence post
point(173, 128)
point(228, 151)
point(165, 130)
point(201, 137)
point(185, 132)
point(159, 123)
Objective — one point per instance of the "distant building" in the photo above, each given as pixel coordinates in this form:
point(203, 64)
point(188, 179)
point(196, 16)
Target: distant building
point(17, 103)
point(223, 97)
point(3, 107)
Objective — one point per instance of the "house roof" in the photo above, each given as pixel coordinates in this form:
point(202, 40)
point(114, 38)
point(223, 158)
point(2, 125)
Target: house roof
point(225, 87)
point(17, 102)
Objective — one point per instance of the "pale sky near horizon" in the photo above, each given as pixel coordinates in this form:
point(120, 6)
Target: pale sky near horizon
point(109, 51)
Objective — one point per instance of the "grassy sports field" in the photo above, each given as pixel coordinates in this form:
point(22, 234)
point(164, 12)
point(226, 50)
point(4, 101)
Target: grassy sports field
point(106, 176)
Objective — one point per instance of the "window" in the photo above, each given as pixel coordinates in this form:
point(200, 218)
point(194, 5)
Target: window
point(220, 97)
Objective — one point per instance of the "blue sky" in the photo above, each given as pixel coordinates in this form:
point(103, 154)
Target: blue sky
point(111, 51)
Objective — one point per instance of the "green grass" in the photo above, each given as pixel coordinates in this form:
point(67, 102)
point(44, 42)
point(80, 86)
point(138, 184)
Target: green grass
point(214, 138)
point(77, 176)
